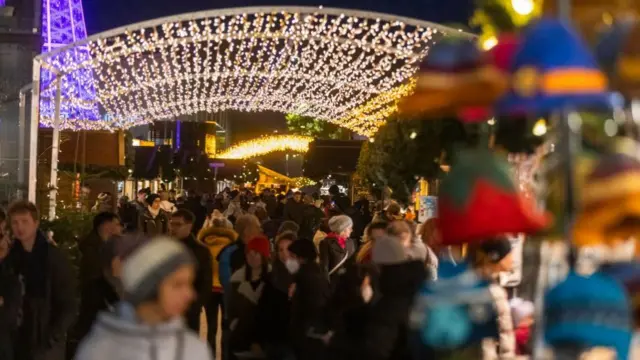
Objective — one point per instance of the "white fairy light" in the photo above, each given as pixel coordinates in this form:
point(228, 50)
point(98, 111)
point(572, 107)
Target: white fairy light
point(349, 69)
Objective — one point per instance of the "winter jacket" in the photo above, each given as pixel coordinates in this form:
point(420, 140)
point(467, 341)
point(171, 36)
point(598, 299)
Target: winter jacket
point(153, 226)
point(202, 282)
point(11, 295)
point(333, 256)
point(91, 261)
point(242, 305)
point(505, 347)
point(387, 331)
point(309, 301)
point(230, 260)
point(273, 315)
point(49, 307)
point(215, 239)
point(96, 296)
point(312, 218)
point(294, 211)
point(118, 336)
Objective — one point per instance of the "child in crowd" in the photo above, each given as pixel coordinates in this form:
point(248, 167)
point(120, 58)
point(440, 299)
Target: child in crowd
point(523, 312)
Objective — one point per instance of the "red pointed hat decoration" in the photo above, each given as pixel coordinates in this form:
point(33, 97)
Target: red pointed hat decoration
point(479, 201)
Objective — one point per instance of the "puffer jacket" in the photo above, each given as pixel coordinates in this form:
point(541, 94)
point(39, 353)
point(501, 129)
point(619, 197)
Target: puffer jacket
point(215, 239)
point(119, 336)
point(505, 347)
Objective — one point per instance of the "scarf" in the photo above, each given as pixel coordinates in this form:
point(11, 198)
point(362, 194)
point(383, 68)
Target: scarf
point(342, 241)
point(153, 212)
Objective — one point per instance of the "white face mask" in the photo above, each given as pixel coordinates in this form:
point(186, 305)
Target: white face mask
point(292, 265)
point(367, 294)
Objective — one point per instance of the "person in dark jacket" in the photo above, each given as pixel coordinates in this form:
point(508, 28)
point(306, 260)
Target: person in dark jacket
point(274, 308)
point(105, 225)
point(128, 214)
point(153, 221)
point(312, 218)
point(232, 256)
point(10, 296)
point(105, 291)
point(337, 248)
point(341, 202)
point(247, 287)
point(386, 332)
point(181, 227)
point(49, 306)
point(309, 297)
point(294, 209)
point(270, 200)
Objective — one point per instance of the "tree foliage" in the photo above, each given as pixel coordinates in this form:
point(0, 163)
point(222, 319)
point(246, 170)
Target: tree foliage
point(308, 126)
point(402, 152)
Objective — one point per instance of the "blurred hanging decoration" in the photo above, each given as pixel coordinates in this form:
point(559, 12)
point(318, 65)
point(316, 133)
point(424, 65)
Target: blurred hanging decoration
point(497, 17)
point(479, 200)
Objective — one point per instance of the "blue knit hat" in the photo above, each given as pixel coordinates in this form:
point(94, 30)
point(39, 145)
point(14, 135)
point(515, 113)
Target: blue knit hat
point(552, 70)
point(591, 311)
point(454, 312)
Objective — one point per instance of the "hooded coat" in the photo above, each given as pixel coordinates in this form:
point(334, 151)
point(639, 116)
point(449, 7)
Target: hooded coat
point(119, 336)
point(215, 239)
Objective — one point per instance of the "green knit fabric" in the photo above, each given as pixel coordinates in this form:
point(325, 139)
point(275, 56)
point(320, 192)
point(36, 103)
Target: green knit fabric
point(471, 166)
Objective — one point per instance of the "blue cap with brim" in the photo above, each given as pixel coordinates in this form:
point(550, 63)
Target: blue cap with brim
point(553, 70)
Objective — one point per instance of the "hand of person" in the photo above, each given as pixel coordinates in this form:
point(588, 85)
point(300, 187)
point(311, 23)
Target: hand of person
point(292, 290)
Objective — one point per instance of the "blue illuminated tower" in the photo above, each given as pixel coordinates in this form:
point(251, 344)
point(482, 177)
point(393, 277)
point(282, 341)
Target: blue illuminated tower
point(62, 24)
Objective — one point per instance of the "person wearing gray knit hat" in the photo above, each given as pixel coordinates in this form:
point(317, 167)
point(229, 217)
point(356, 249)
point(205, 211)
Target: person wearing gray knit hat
point(145, 270)
point(341, 223)
point(157, 280)
point(336, 249)
point(388, 250)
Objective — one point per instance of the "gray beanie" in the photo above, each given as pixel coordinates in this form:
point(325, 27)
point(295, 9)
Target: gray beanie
point(388, 250)
point(149, 265)
point(340, 223)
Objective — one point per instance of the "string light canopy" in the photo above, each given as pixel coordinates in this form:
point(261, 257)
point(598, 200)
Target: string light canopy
point(347, 67)
point(265, 145)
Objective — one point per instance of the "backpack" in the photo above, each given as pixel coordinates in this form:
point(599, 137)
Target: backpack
point(224, 265)
point(453, 313)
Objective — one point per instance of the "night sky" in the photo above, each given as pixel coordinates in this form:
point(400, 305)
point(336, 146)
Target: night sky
point(106, 14)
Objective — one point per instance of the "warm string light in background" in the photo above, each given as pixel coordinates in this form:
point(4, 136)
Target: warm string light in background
point(266, 145)
point(348, 69)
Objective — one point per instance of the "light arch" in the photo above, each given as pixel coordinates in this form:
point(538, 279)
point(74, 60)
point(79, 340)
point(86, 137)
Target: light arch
point(265, 145)
point(331, 64)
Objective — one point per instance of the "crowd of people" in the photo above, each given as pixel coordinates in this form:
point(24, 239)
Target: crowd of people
point(278, 277)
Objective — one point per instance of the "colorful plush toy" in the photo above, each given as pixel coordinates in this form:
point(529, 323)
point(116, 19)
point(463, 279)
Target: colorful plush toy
point(455, 75)
point(610, 211)
point(478, 200)
point(553, 70)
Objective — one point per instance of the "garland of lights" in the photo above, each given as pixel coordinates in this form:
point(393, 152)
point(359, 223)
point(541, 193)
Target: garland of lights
point(300, 182)
point(348, 68)
point(266, 145)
